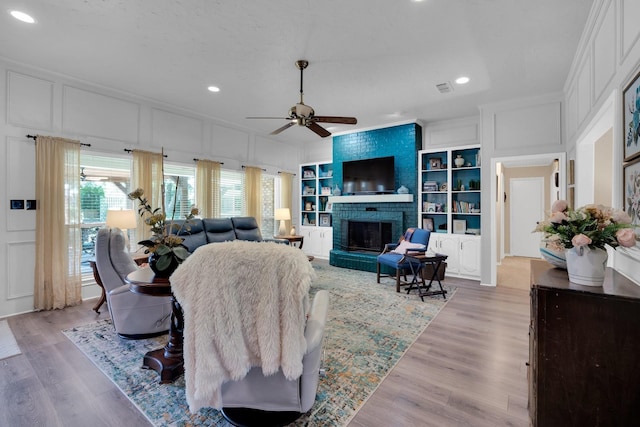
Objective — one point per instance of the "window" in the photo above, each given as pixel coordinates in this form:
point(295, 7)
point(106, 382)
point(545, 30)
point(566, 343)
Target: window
point(232, 198)
point(179, 190)
point(104, 185)
point(231, 193)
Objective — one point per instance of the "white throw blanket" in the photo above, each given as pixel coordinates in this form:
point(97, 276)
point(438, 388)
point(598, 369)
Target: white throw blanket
point(244, 304)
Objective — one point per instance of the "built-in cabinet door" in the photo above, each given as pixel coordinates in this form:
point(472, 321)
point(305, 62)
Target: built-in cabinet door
point(311, 245)
point(318, 241)
point(469, 256)
point(449, 245)
point(326, 241)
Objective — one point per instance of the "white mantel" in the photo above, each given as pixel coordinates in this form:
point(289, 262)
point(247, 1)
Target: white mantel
point(373, 198)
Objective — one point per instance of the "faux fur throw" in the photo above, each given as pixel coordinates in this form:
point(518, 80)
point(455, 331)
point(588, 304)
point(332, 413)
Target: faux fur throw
point(245, 304)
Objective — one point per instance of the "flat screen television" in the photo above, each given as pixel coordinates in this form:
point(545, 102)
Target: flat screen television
point(369, 176)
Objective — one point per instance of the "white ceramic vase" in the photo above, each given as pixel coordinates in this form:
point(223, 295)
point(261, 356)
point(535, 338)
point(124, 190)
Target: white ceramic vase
point(586, 266)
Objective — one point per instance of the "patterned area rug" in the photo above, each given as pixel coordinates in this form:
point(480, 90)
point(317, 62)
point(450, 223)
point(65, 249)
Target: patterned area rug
point(8, 345)
point(370, 327)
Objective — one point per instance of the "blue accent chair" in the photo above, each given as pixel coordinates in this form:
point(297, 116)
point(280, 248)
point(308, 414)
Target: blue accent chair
point(398, 261)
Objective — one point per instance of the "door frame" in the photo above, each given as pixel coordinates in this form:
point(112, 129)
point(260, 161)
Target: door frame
point(524, 160)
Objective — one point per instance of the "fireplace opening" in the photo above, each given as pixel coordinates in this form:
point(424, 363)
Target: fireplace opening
point(365, 236)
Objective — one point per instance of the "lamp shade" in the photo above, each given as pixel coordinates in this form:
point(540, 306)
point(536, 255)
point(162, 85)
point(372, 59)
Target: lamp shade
point(121, 218)
point(283, 214)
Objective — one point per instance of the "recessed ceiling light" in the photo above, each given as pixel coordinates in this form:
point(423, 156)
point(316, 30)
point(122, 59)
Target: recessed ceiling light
point(21, 16)
point(213, 89)
point(462, 80)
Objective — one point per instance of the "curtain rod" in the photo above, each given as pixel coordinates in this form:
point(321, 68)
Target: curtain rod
point(82, 144)
point(244, 166)
point(197, 160)
point(131, 151)
point(287, 172)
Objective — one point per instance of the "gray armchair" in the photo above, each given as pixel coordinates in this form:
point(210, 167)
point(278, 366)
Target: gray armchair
point(259, 400)
point(134, 316)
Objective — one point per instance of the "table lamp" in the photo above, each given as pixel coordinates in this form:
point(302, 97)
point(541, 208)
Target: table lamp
point(123, 219)
point(282, 214)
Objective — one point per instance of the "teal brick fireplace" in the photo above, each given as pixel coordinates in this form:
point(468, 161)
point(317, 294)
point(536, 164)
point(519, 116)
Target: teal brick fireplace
point(402, 142)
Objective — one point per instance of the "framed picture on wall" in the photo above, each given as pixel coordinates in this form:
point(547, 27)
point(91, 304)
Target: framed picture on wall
point(632, 192)
point(631, 118)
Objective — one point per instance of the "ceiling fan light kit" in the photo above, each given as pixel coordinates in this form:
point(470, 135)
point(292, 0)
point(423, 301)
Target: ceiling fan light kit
point(304, 115)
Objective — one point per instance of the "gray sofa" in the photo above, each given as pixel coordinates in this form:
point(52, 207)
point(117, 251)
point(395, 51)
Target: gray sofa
point(213, 230)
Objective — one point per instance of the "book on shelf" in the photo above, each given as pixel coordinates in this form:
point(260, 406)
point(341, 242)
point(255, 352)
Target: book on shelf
point(430, 186)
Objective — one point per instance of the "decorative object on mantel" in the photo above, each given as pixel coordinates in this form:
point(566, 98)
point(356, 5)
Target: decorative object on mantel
point(403, 190)
point(166, 251)
point(459, 161)
point(336, 190)
point(583, 235)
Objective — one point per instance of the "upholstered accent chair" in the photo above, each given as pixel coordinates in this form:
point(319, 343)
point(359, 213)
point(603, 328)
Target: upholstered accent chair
point(393, 254)
point(259, 400)
point(134, 316)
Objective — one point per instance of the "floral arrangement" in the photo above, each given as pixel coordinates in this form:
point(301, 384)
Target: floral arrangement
point(167, 246)
point(591, 225)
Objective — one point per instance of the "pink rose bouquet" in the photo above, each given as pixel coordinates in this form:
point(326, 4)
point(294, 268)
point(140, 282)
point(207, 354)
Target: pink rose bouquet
point(591, 225)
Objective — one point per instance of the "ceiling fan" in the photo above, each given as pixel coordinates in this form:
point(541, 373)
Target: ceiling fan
point(303, 115)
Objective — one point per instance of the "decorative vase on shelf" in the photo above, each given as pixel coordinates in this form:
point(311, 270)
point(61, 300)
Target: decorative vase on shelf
point(403, 190)
point(305, 220)
point(336, 191)
point(586, 266)
point(459, 161)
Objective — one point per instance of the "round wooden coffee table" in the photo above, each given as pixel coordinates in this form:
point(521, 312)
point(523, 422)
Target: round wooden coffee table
point(167, 361)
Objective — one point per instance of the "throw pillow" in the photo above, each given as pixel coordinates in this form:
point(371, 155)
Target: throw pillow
point(405, 246)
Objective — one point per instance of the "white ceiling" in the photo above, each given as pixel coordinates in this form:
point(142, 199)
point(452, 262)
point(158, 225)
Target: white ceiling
point(377, 60)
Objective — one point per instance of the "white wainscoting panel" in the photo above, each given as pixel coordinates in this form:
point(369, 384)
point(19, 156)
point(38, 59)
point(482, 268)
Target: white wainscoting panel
point(572, 112)
point(175, 130)
point(21, 182)
point(584, 89)
point(630, 32)
point(228, 143)
point(268, 152)
point(529, 126)
point(604, 52)
point(29, 101)
point(93, 114)
point(20, 266)
point(454, 132)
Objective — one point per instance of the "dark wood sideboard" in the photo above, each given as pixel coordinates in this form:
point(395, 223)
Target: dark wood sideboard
point(584, 350)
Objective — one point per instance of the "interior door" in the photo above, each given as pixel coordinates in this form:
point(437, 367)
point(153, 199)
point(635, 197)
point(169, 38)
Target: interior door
point(526, 209)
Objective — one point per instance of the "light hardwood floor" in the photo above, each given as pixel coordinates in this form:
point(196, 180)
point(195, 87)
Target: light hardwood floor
point(466, 369)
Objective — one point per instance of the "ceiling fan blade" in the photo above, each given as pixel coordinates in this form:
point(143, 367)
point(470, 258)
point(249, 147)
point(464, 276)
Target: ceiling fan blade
point(279, 118)
point(319, 129)
point(280, 129)
point(336, 119)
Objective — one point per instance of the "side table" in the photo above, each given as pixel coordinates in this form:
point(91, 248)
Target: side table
point(137, 258)
point(167, 361)
point(96, 276)
point(292, 238)
point(421, 259)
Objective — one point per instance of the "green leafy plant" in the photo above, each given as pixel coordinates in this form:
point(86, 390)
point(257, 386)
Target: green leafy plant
point(164, 242)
